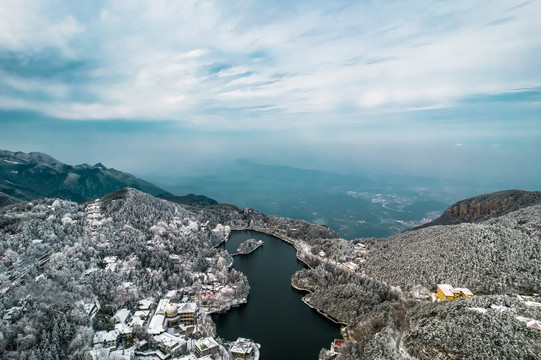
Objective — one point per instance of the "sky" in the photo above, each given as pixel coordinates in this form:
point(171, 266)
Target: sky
point(432, 88)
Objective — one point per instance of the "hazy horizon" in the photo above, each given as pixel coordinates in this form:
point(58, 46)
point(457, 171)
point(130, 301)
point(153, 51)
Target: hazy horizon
point(167, 90)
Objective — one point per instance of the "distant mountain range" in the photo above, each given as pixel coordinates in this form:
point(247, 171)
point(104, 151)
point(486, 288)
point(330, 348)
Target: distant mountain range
point(36, 175)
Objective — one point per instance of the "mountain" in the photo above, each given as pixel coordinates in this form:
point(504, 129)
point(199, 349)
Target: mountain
point(5, 199)
point(35, 175)
point(190, 199)
point(56, 255)
point(129, 245)
point(495, 256)
point(355, 206)
point(487, 206)
point(52, 261)
point(491, 246)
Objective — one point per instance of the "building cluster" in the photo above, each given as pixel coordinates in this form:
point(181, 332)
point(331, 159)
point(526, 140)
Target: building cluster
point(360, 253)
point(172, 327)
point(180, 317)
point(209, 290)
point(447, 292)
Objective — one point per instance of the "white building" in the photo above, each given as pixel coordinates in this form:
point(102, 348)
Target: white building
point(106, 339)
point(162, 305)
point(156, 325)
point(121, 315)
point(100, 354)
point(170, 344)
point(206, 346)
point(145, 304)
point(126, 354)
point(143, 314)
point(241, 348)
point(136, 321)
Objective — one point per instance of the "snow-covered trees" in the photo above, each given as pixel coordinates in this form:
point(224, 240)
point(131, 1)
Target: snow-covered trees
point(501, 255)
point(129, 245)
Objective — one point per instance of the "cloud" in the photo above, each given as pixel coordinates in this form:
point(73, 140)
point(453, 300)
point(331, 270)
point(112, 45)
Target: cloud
point(183, 60)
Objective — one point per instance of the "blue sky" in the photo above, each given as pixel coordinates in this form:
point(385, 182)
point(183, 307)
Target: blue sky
point(428, 87)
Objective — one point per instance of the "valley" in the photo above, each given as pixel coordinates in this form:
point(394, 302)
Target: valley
point(117, 263)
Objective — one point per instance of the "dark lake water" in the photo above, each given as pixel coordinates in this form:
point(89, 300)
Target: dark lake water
point(275, 315)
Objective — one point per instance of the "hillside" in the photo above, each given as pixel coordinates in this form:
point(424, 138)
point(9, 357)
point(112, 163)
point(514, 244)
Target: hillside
point(499, 255)
point(36, 175)
point(56, 253)
point(486, 206)
point(5, 199)
point(190, 199)
point(57, 256)
point(384, 301)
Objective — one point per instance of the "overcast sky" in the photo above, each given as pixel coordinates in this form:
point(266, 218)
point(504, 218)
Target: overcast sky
point(438, 88)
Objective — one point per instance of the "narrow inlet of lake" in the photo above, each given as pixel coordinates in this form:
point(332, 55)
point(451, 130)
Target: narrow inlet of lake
point(275, 315)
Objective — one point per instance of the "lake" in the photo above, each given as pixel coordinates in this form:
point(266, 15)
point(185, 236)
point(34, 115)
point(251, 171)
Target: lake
point(275, 315)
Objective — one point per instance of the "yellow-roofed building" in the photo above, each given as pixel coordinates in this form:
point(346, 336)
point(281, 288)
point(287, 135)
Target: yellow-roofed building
point(447, 292)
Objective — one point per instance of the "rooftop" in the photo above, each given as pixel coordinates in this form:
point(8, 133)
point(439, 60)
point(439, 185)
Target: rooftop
point(206, 343)
point(446, 289)
point(242, 346)
point(121, 315)
point(189, 307)
point(156, 324)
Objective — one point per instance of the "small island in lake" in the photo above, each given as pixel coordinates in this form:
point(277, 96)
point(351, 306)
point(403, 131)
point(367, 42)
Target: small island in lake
point(248, 246)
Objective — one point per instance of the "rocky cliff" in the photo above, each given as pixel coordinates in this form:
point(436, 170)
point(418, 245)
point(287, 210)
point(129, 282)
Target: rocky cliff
point(487, 206)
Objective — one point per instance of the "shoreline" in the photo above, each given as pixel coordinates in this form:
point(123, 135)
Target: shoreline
point(293, 243)
point(284, 238)
point(305, 299)
point(225, 308)
point(248, 252)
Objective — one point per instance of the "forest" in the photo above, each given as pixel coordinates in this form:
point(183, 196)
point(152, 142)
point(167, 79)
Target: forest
point(45, 299)
point(58, 256)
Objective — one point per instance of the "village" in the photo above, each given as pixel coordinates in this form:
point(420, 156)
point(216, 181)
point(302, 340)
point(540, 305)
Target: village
point(172, 328)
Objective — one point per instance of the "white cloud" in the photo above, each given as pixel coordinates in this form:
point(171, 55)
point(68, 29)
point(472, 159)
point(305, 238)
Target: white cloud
point(184, 59)
point(28, 26)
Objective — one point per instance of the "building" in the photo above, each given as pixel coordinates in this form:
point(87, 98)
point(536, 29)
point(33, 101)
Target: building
point(206, 346)
point(156, 325)
point(121, 316)
point(145, 304)
point(187, 312)
point(170, 344)
point(350, 266)
point(99, 354)
point(107, 339)
point(124, 354)
point(241, 348)
point(447, 292)
point(464, 292)
point(336, 344)
point(172, 316)
point(162, 305)
point(143, 314)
